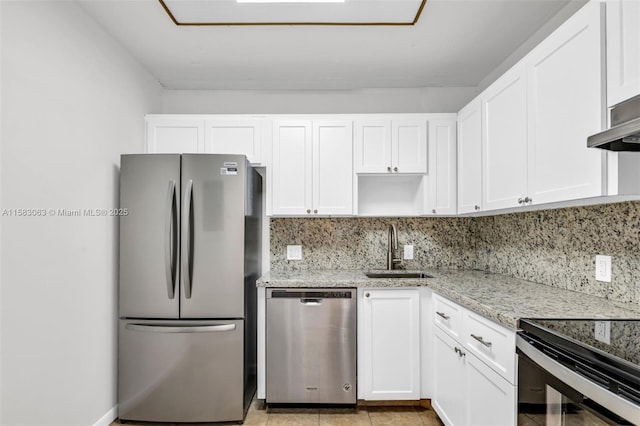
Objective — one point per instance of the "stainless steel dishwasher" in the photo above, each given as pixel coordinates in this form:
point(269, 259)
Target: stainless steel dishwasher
point(311, 346)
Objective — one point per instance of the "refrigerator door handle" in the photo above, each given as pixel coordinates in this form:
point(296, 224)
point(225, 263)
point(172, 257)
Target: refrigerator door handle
point(186, 239)
point(181, 329)
point(170, 246)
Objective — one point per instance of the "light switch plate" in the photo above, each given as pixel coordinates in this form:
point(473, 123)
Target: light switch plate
point(603, 331)
point(408, 252)
point(603, 268)
point(294, 252)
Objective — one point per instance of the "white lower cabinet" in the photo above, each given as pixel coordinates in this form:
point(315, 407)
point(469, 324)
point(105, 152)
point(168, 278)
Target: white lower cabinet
point(389, 344)
point(467, 390)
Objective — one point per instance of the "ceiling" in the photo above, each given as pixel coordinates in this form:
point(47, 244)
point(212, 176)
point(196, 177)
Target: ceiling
point(454, 43)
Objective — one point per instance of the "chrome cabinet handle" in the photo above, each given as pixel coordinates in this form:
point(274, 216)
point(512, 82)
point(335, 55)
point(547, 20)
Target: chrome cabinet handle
point(520, 200)
point(459, 351)
point(477, 207)
point(308, 211)
point(367, 294)
point(388, 169)
point(528, 200)
point(186, 239)
point(443, 315)
point(395, 169)
point(481, 340)
point(315, 211)
point(171, 242)
point(433, 211)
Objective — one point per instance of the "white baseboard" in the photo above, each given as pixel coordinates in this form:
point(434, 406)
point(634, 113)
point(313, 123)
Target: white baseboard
point(108, 418)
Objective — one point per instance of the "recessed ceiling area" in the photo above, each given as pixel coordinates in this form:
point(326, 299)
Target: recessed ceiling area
point(293, 12)
point(455, 43)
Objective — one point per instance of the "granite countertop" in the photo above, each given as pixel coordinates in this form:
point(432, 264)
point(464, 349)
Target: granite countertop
point(501, 298)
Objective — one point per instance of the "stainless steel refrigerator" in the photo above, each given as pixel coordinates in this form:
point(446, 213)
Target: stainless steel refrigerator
point(189, 260)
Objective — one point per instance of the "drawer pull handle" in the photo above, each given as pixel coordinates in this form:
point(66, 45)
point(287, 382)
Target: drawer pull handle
point(479, 339)
point(443, 315)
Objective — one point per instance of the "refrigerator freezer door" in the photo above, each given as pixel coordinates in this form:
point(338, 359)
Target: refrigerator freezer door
point(213, 224)
point(149, 236)
point(181, 371)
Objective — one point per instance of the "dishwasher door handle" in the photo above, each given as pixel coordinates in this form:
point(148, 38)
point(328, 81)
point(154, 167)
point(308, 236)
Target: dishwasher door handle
point(311, 302)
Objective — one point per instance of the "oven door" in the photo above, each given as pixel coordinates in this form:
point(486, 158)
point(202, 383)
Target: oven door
point(551, 394)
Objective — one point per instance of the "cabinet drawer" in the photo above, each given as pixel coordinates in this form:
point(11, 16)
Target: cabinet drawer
point(447, 315)
point(492, 343)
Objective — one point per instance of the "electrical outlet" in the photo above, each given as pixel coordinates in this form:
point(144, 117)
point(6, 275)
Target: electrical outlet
point(408, 252)
point(603, 268)
point(603, 331)
point(294, 252)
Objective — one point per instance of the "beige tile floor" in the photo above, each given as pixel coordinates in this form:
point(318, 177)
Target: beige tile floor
point(259, 415)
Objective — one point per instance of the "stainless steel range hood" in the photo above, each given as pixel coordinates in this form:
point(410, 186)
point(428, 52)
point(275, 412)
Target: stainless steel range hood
point(624, 134)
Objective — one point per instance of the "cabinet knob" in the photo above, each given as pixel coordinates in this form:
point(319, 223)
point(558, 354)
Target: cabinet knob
point(395, 169)
point(528, 200)
point(520, 200)
point(367, 294)
point(315, 211)
point(388, 169)
point(308, 210)
point(433, 211)
point(477, 207)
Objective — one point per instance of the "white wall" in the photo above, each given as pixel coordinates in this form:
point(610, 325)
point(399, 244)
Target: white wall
point(427, 99)
point(72, 101)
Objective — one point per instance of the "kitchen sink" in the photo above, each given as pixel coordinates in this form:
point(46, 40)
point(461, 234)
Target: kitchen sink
point(397, 274)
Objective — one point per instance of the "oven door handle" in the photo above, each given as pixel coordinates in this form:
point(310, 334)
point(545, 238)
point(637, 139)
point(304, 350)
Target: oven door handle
point(602, 396)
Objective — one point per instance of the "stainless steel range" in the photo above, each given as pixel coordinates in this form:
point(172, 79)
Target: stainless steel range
point(582, 372)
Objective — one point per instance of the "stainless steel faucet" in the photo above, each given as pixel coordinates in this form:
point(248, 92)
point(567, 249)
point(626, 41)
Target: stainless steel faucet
point(392, 248)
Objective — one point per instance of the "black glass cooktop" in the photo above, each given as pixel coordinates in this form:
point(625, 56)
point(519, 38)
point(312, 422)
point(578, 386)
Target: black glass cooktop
point(615, 353)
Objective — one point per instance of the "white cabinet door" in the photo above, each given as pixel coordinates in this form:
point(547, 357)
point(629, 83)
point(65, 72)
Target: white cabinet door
point(504, 141)
point(565, 107)
point(391, 145)
point(623, 50)
point(234, 136)
point(448, 390)
point(372, 139)
point(291, 167)
point(390, 330)
point(441, 196)
point(409, 146)
point(332, 167)
point(171, 135)
point(488, 398)
point(470, 158)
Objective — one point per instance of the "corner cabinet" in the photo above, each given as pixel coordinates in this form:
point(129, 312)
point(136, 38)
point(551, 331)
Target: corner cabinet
point(623, 50)
point(474, 364)
point(311, 168)
point(441, 177)
point(389, 344)
point(470, 157)
point(393, 146)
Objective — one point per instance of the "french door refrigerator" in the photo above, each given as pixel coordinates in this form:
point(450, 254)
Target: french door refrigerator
point(189, 260)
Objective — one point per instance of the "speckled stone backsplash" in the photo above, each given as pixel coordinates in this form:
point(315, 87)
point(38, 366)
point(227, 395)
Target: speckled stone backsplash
point(361, 243)
point(553, 247)
point(558, 247)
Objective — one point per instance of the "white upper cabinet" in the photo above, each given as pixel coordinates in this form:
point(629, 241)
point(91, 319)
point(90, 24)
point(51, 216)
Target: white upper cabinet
point(504, 141)
point(312, 168)
point(441, 195)
point(470, 157)
point(565, 107)
point(170, 135)
point(332, 167)
point(391, 145)
point(234, 136)
point(623, 50)
point(291, 167)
